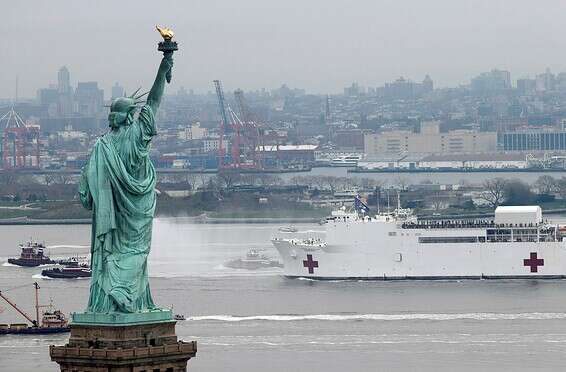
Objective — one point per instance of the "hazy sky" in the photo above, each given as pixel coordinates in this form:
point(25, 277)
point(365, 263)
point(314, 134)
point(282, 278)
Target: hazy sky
point(320, 45)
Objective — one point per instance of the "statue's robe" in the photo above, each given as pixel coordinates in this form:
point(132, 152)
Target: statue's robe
point(118, 184)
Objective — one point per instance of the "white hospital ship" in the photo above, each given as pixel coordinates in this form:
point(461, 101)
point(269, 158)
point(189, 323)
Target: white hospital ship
point(517, 243)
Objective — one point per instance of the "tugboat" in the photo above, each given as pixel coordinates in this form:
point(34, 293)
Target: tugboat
point(31, 255)
point(179, 317)
point(53, 321)
point(253, 261)
point(70, 261)
point(72, 270)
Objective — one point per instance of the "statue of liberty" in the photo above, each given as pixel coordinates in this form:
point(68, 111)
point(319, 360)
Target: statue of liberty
point(118, 185)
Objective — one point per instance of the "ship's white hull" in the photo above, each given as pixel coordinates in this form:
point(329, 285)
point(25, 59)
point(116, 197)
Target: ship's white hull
point(384, 251)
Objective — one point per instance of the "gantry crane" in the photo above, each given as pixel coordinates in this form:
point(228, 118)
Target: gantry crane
point(20, 142)
point(229, 122)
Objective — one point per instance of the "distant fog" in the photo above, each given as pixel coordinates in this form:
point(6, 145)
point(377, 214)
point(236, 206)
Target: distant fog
point(318, 45)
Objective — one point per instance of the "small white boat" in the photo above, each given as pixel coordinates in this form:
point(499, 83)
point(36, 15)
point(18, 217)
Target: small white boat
point(346, 161)
point(254, 260)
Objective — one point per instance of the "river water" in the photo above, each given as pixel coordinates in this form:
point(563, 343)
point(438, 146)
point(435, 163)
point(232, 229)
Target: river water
point(254, 320)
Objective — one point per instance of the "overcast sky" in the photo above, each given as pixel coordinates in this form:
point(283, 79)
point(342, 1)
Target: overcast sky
point(319, 45)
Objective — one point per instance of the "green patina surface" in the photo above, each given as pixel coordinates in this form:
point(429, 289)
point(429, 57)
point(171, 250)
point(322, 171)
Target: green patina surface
point(116, 318)
point(118, 185)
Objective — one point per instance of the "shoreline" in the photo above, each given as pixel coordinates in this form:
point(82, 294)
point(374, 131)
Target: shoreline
point(203, 219)
point(195, 219)
point(457, 170)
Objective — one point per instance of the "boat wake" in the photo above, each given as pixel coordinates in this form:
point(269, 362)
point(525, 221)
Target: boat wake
point(221, 273)
point(7, 264)
point(68, 246)
point(381, 317)
point(39, 276)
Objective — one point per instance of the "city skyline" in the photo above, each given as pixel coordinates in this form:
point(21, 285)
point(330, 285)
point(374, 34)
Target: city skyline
point(508, 80)
point(251, 45)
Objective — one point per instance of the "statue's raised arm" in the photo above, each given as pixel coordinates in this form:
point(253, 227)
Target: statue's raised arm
point(164, 72)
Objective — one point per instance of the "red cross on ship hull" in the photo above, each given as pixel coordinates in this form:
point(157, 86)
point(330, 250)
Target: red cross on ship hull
point(310, 263)
point(534, 262)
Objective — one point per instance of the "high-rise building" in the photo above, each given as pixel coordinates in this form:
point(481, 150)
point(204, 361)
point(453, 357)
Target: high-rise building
point(64, 90)
point(429, 140)
point(117, 91)
point(49, 99)
point(406, 89)
point(327, 109)
point(89, 99)
point(399, 89)
point(526, 86)
point(428, 85)
point(532, 140)
point(545, 81)
point(353, 90)
point(491, 81)
point(64, 80)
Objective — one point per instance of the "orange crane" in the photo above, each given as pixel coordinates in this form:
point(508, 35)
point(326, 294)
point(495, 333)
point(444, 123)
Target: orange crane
point(35, 322)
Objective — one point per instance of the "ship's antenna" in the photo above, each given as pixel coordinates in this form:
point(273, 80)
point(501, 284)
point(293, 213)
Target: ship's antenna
point(377, 196)
point(16, 97)
point(398, 201)
point(388, 210)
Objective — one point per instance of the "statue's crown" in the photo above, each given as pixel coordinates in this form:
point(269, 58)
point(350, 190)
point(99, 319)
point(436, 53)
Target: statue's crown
point(125, 104)
point(122, 104)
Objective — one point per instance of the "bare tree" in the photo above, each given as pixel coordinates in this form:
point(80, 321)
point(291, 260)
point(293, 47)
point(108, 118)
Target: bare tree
point(331, 182)
point(63, 179)
point(367, 183)
point(402, 182)
point(203, 179)
point(176, 178)
point(191, 179)
point(270, 180)
point(48, 179)
point(561, 187)
point(438, 200)
point(300, 181)
point(546, 185)
point(494, 191)
point(347, 183)
point(229, 177)
point(318, 182)
point(9, 178)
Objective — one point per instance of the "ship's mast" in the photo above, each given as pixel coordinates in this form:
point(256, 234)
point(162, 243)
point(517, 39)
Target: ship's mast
point(36, 303)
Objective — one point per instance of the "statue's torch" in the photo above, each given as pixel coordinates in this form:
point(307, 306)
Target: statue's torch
point(167, 46)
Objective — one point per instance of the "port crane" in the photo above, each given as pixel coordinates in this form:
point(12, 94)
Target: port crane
point(247, 134)
point(227, 124)
point(20, 142)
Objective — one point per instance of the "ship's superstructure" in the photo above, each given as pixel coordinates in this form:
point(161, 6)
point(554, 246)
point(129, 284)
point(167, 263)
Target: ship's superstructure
point(346, 161)
point(517, 243)
point(53, 321)
point(32, 254)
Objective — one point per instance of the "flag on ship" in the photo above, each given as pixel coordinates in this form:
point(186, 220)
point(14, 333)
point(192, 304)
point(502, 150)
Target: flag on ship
point(360, 206)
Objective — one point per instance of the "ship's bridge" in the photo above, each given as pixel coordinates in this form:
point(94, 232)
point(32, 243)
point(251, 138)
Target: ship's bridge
point(398, 215)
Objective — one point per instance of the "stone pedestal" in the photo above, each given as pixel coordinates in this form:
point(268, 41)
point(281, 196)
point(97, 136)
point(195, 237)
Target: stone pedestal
point(141, 347)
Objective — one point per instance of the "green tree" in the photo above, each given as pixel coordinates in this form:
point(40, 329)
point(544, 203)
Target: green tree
point(518, 193)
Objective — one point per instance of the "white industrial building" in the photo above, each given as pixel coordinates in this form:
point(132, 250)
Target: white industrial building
point(448, 162)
